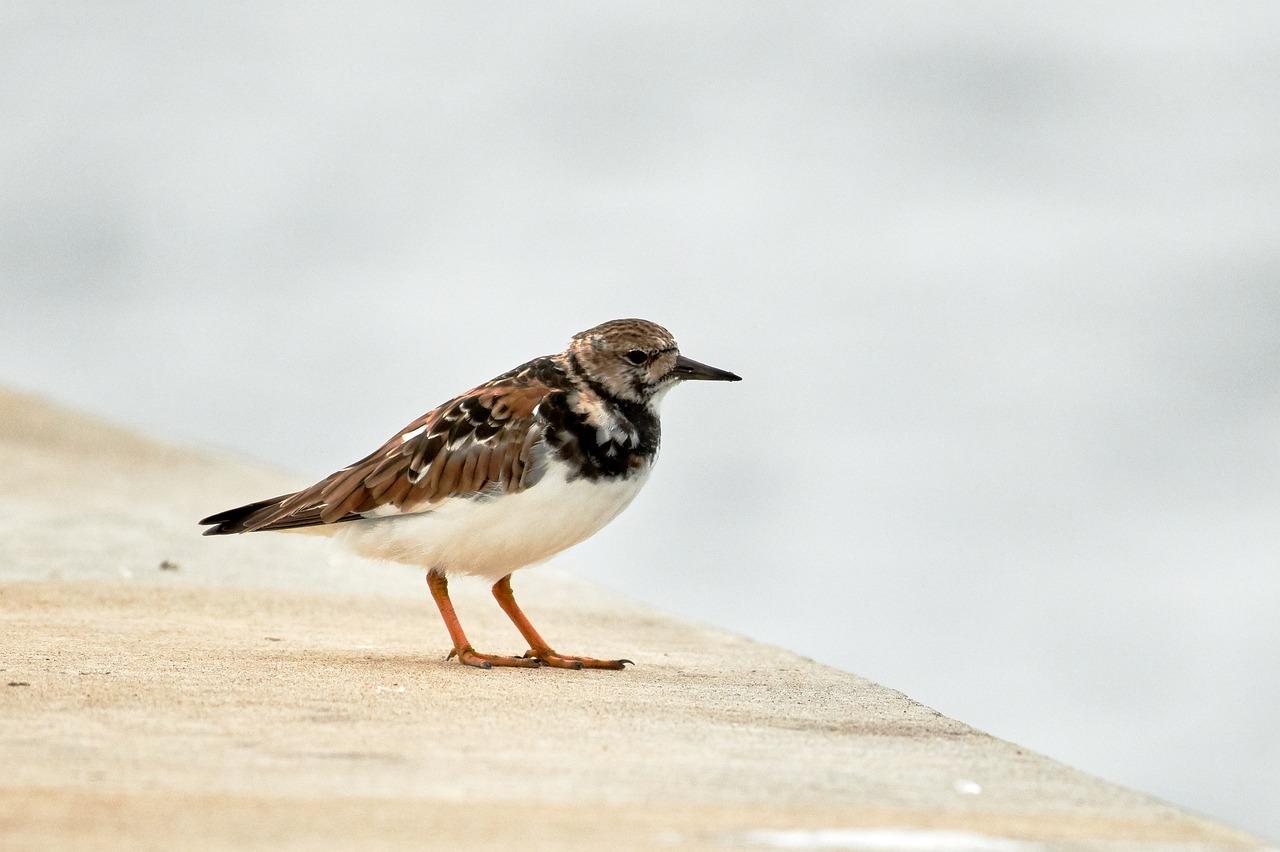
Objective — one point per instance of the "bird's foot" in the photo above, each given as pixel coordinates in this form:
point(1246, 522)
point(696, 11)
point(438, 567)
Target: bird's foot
point(470, 657)
point(548, 657)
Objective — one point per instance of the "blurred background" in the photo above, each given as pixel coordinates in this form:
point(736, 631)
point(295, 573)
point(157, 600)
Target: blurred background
point(1003, 280)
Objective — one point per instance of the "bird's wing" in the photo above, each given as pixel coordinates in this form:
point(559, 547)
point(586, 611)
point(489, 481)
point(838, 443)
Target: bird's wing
point(483, 443)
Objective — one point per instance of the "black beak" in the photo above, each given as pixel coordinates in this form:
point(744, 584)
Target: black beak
point(687, 368)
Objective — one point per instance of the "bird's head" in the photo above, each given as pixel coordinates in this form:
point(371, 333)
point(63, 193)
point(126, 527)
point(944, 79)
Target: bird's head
point(635, 360)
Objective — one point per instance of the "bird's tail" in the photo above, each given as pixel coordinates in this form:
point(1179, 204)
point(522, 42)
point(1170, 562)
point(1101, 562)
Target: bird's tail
point(248, 517)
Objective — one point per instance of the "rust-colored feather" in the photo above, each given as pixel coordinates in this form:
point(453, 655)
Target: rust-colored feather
point(396, 494)
point(467, 479)
point(493, 460)
point(386, 472)
point(449, 475)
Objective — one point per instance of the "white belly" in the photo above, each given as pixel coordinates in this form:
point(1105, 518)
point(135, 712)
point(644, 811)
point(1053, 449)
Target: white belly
point(493, 537)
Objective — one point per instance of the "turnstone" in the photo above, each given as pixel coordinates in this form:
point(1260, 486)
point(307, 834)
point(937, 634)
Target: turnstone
point(503, 476)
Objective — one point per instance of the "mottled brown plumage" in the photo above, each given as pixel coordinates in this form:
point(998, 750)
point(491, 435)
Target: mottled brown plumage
point(484, 442)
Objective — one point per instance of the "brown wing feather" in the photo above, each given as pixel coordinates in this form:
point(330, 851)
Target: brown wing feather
point(482, 442)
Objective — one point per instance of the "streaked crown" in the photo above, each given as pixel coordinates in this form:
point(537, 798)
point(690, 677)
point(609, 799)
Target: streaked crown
point(629, 359)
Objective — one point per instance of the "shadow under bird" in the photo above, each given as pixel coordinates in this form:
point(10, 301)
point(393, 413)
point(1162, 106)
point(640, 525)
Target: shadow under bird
point(503, 476)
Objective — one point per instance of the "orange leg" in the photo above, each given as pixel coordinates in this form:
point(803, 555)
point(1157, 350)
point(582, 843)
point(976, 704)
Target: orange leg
point(538, 648)
point(466, 654)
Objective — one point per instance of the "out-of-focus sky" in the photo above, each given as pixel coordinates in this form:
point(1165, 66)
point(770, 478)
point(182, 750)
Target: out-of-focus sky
point(1003, 280)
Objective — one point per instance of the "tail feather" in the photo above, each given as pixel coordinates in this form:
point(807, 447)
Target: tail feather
point(239, 519)
point(259, 516)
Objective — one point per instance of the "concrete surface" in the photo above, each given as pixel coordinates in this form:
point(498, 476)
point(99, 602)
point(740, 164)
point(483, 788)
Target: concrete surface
point(163, 690)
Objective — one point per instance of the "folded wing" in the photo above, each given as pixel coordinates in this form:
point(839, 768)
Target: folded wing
point(483, 443)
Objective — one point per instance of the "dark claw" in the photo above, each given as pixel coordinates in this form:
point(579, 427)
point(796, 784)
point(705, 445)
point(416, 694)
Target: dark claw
point(577, 664)
point(626, 661)
point(487, 665)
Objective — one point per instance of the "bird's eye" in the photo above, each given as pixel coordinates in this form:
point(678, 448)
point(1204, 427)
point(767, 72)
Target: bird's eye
point(637, 356)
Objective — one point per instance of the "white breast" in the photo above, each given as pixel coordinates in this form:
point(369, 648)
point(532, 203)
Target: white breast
point(495, 536)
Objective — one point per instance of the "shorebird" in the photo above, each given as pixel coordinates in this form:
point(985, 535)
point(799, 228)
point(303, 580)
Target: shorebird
point(503, 476)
